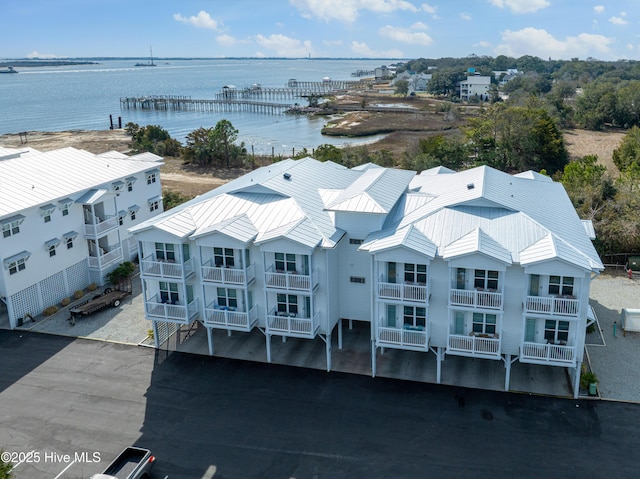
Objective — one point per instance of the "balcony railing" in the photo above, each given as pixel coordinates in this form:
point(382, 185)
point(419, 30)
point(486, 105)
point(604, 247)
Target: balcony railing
point(552, 305)
point(291, 325)
point(223, 275)
point(104, 260)
point(290, 280)
point(95, 226)
point(414, 338)
point(475, 346)
point(474, 298)
point(227, 318)
point(403, 291)
point(177, 313)
point(539, 353)
point(150, 266)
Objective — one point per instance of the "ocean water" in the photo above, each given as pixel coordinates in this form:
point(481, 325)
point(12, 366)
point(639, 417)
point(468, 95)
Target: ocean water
point(83, 97)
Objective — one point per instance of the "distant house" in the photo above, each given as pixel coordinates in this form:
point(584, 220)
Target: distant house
point(475, 85)
point(417, 81)
point(383, 73)
point(64, 216)
point(472, 264)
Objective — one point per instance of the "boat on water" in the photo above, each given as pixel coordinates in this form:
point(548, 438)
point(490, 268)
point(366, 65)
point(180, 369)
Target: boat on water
point(9, 70)
point(150, 63)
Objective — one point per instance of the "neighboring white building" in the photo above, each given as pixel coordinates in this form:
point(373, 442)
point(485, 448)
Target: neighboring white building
point(475, 85)
point(64, 216)
point(472, 264)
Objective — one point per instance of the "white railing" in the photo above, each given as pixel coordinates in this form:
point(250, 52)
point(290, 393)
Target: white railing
point(403, 291)
point(476, 298)
point(156, 309)
point(95, 226)
point(552, 305)
point(547, 353)
point(221, 317)
point(217, 274)
point(99, 262)
point(474, 345)
point(290, 280)
point(413, 338)
point(293, 325)
point(150, 266)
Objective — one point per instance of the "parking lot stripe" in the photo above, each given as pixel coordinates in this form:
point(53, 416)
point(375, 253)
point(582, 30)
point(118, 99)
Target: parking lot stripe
point(64, 470)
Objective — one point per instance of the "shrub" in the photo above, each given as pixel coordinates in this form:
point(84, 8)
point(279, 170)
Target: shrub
point(92, 287)
point(50, 310)
point(78, 294)
point(65, 302)
point(587, 378)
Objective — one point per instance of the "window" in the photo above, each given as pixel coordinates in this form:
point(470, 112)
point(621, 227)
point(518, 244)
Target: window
point(120, 220)
point(223, 257)
point(285, 262)
point(485, 279)
point(355, 241)
point(357, 279)
point(132, 215)
point(52, 251)
point(65, 205)
point(46, 212)
point(461, 278)
point(65, 210)
point(415, 273)
point(151, 178)
point(165, 252)
point(129, 185)
point(69, 237)
point(561, 285)
point(415, 317)
point(117, 185)
point(169, 292)
point(47, 217)
point(484, 323)
point(154, 205)
point(17, 265)
point(227, 297)
point(69, 243)
point(287, 304)
point(11, 228)
point(556, 332)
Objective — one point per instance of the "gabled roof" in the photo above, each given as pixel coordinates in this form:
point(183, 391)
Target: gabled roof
point(409, 237)
point(477, 241)
point(239, 227)
point(551, 247)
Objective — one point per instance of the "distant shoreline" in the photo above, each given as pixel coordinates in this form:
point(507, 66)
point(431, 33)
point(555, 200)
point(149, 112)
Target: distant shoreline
point(43, 63)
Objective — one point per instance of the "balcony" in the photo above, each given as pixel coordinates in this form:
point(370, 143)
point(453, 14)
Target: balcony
point(474, 346)
point(550, 354)
point(476, 298)
point(290, 280)
point(414, 338)
point(291, 325)
point(157, 310)
point(95, 226)
point(553, 305)
point(403, 292)
point(104, 260)
point(151, 267)
point(236, 276)
point(222, 317)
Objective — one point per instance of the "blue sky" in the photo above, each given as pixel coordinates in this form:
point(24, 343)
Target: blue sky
point(558, 29)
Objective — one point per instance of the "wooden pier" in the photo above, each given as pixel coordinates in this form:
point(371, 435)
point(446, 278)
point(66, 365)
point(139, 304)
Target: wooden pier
point(272, 93)
point(184, 103)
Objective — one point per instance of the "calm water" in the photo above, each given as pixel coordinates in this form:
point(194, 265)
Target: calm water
point(83, 97)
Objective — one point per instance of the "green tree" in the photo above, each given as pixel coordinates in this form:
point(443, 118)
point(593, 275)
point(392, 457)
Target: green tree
point(628, 152)
point(215, 146)
point(171, 199)
point(6, 469)
point(222, 140)
point(328, 152)
point(402, 87)
point(589, 186)
point(443, 82)
point(152, 138)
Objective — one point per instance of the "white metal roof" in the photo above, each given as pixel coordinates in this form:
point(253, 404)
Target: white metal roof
point(477, 241)
point(37, 178)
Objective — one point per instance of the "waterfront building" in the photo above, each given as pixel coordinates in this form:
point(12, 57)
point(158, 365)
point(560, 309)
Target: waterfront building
point(479, 264)
point(64, 216)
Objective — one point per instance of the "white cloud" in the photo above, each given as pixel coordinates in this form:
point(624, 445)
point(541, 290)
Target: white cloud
point(598, 9)
point(363, 50)
point(521, 6)
point(465, 16)
point(405, 36)
point(36, 54)
point(483, 44)
point(348, 10)
point(536, 42)
point(429, 8)
point(618, 20)
point(630, 46)
point(284, 46)
point(419, 26)
point(201, 20)
point(227, 40)
point(333, 43)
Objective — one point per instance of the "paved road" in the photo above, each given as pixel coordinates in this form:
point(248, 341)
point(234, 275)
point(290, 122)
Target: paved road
point(209, 417)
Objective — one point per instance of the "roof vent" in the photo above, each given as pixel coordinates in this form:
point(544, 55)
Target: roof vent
point(470, 186)
point(287, 176)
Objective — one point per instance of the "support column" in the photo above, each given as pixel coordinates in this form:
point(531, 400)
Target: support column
point(439, 356)
point(328, 345)
point(154, 324)
point(373, 358)
point(507, 376)
point(340, 333)
point(210, 340)
point(576, 380)
point(268, 339)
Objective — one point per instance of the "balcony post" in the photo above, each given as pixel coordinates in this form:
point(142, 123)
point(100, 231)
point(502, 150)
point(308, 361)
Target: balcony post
point(507, 374)
point(439, 355)
point(210, 340)
point(268, 340)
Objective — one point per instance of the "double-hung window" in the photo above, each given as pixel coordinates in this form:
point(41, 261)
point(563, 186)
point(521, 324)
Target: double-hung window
point(287, 304)
point(561, 285)
point(556, 332)
point(227, 297)
point(169, 292)
point(285, 262)
point(17, 265)
point(415, 273)
point(485, 279)
point(223, 257)
point(11, 226)
point(484, 323)
point(165, 252)
point(415, 316)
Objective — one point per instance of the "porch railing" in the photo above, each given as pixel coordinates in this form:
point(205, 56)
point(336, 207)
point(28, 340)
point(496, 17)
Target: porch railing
point(547, 353)
point(552, 305)
point(99, 262)
point(474, 345)
point(293, 325)
point(220, 317)
point(398, 337)
point(151, 266)
point(216, 274)
point(403, 291)
point(476, 298)
point(95, 226)
point(290, 280)
point(156, 309)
